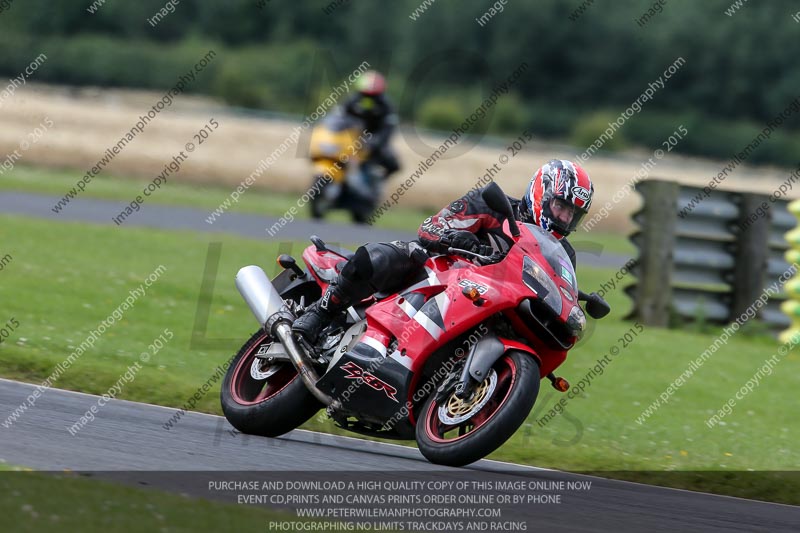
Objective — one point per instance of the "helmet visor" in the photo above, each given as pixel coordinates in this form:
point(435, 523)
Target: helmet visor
point(564, 215)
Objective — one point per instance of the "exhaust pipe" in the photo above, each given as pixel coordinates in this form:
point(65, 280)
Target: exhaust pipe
point(256, 289)
point(272, 314)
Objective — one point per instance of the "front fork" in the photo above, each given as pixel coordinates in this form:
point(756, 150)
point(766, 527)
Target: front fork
point(482, 355)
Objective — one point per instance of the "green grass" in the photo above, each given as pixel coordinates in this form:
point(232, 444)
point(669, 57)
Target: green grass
point(35, 502)
point(67, 277)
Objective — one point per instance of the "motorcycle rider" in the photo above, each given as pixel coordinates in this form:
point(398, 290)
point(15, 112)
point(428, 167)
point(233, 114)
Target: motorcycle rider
point(558, 197)
point(370, 105)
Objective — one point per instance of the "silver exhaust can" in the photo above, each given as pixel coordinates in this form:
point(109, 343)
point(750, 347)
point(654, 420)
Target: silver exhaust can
point(272, 314)
point(256, 289)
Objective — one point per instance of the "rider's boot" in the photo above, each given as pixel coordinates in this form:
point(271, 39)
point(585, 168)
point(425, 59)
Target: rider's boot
point(320, 313)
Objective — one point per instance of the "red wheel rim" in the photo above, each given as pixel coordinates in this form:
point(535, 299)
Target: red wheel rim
point(439, 431)
point(247, 390)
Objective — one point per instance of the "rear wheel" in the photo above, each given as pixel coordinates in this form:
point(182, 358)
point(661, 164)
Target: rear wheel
point(456, 432)
point(265, 399)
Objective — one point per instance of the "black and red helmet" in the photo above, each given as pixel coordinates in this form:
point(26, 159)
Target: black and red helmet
point(371, 83)
point(559, 184)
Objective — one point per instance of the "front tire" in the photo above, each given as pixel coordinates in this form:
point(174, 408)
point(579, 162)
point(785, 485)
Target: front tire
point(266, 400)
point(320, 204)
point(456, 433)
point(360, 216)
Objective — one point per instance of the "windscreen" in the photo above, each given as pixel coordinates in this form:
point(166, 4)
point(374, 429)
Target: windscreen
point(555, 255)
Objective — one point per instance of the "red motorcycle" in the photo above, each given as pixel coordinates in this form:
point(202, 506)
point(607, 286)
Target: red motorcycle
point(453, 361)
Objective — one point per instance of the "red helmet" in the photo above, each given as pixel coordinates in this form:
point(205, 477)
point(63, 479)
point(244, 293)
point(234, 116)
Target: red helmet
point(559, 196)
point(371, 83)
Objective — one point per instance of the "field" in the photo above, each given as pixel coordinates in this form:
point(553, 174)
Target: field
point(67, 277)
point(86, 122)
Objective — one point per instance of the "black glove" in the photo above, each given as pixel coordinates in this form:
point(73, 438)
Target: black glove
point(461, 239)
point(485, 249)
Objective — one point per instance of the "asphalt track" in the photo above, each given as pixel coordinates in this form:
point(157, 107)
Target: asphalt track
point(251, 226)
point(127, 442)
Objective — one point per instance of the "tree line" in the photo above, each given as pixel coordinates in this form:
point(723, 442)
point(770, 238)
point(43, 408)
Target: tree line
point(740, 69)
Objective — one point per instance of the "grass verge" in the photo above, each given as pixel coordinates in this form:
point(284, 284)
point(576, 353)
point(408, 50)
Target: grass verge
point(34, 502)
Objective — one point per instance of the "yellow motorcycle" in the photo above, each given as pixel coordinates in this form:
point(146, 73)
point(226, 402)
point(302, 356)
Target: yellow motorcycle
point(343, 176)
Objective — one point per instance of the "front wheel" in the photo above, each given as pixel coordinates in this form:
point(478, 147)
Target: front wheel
point(264, 399)
point(361, 216)
point(457, 432)
point(321, 202)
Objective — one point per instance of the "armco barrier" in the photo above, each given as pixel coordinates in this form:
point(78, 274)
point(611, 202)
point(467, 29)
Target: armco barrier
point(712, 263)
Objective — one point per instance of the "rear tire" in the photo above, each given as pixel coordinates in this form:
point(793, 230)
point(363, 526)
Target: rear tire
point(464, 436)
point(268, 407)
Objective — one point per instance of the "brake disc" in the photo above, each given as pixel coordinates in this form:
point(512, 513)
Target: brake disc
point(456, 411)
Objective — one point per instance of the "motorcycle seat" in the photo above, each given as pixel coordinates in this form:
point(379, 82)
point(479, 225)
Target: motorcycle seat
point(322, 247)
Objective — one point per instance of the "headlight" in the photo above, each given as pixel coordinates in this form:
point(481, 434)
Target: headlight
point(576, 321)
point(539, 282)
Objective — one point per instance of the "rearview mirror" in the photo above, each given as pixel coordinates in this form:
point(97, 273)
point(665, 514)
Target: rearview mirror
point(495, 198)
point(596, 306)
